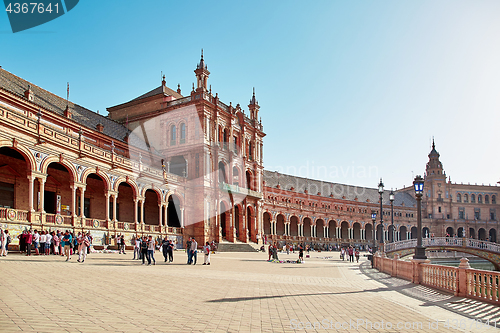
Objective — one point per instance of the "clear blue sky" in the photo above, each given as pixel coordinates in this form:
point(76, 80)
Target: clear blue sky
point(344, 86)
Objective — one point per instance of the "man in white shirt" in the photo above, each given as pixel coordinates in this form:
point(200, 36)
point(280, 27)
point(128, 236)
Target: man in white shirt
point(151, 250)
point(194, 250)
point(42, 242)
point(36, 241)
point(48, 240)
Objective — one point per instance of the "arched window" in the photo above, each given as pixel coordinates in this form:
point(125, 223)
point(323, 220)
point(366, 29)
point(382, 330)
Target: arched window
point(479, 198)
point(459, 197)
point(173, 135)
point(183, 133)
point(487, 199)
point(466, 198)
point(493, 199)
point(472, 198)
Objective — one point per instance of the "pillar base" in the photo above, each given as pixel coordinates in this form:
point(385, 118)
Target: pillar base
point(420, 253)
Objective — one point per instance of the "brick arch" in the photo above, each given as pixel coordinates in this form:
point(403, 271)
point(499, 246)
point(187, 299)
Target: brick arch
point(27, 154)
point(101, 174)
point(129, 181)
point(55, 159)
point(153, 188)
point(177, 194)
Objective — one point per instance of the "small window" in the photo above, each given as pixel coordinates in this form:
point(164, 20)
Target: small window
point(439, 209)
point(477, 213)
point(479, 198)
point(459, 197)
point(493, 199)
point(486, 199)
point(183, 133)
point(466, 198)
point(472, 198)
point(173, 135)
point(461, 213)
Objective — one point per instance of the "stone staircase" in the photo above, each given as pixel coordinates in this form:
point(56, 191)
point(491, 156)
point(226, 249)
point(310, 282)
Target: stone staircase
point(237, 247)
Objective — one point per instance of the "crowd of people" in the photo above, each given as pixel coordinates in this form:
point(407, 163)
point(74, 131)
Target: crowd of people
point(350, 252)
point(49, 243)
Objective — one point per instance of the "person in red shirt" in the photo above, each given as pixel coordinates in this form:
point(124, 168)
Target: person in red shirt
point(29, 241)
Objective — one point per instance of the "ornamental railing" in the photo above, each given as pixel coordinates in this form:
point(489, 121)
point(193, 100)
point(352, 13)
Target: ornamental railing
point(461, 281)
point(444, 241)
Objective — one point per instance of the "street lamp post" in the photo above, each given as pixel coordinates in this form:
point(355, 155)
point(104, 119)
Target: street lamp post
point(418, 184)
point(374, 247)
point(381, 191)
point(391, 198)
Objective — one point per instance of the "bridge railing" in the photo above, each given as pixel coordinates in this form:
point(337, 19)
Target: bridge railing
point(462, 281)
point(443, 241)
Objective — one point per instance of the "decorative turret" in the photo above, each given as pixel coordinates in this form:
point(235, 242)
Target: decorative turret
point(254, 107)
point(202, 74)
point(434, 166)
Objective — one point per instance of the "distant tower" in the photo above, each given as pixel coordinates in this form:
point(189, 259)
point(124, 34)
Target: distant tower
point(434, 168)
point(254, 107)
point(202, 74)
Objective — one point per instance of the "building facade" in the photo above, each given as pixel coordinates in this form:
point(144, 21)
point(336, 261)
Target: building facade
point(176, 165)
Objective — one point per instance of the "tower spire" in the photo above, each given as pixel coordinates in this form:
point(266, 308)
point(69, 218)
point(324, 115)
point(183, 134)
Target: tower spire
point(202, 74)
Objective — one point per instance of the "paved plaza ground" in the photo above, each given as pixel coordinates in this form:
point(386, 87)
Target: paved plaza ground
point(239, 292)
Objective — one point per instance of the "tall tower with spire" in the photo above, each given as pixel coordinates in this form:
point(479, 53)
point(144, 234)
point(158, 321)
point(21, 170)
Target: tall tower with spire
point(202, 74)
point(254, 107)
point(436, 192)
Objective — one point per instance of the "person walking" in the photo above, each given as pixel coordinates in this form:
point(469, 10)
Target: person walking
point(356, 254)
point(188, 250)
point(194, 251)
point(137, 248)
point(164, 248)
point(67, 240)
point(351, 254)
point(5, 243)
point(3, 240)
point(82, 248)
point(144, 250)
point(301, 253)
point(206, 251)
point(170, 251)
point(270, 250)
point(151, 250)
point(122, 245)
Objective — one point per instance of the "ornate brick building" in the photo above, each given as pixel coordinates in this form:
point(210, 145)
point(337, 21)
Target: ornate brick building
point(179, 165)
point(162, 163)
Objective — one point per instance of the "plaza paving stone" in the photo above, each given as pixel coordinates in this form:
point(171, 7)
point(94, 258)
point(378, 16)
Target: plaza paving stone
point(238, 292)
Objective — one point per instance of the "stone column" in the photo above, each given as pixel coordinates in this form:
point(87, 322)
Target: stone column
point(31, 180)
point(82, 202)
point(160, 207)
point(41, 181)
point(142, 211)
point(107, 206)
point(135, 209)
point(114, 206)
point(182, 217)
point(165, 211)
point(312, 230)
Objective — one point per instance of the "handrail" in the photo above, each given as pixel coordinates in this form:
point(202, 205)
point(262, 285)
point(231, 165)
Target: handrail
point(444, 241)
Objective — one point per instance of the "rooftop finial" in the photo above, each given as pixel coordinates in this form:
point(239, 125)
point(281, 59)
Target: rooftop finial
point(202, 53)
point(433, 145)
